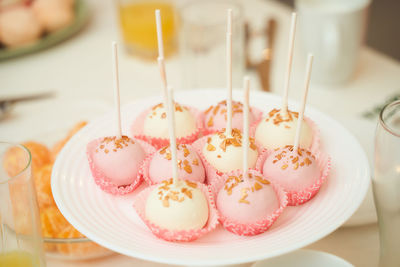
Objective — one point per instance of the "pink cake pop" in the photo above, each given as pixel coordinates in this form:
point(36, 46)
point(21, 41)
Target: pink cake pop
point(247, 198)
point(190, 166)
point(295, 169)
point(215, 117)
point(115, 160)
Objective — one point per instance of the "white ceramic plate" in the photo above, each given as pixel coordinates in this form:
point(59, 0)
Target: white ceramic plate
point(304, 258)
point(112, 222)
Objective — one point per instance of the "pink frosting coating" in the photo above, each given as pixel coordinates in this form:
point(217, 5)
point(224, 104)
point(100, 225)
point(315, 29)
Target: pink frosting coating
point(294, 170)
point(190, 166)
point(119, 159)
point(215, 116)
point(249, 201)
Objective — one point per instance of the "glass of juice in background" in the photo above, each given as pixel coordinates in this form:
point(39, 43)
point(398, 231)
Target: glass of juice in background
point(138, 26)
point(20, 232)
point(386, 184)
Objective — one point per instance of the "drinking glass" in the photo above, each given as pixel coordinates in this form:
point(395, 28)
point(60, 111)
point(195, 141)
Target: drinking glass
point(138, 26)
point(386, 184)
point(202, 43)
point(20, 231)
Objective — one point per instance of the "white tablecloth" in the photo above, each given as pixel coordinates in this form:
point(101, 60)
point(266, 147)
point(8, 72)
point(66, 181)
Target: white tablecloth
point(79, 70)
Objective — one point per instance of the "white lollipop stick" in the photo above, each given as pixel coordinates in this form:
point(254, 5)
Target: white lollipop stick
point(229, 72)
point(116, 88)
point(160, 59)
point(245, 140)
point(289, 64)
point(159, 34)
point(304, 100)
point(172, 136)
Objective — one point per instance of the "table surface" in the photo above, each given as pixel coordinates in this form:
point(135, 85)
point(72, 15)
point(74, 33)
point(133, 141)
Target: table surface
point(79, 71)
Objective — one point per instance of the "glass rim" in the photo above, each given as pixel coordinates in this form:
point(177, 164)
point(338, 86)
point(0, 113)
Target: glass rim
point(10, 178)
point(382, 121)
point(233, 3)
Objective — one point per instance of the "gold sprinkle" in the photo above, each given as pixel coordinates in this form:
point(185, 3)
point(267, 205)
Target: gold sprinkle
point(195, 162)
point(262, 180)
point(106, 150)
point(186, 152)
point(210, 122)
point(191, 184)
point(284, 167)
point(257, 186)
point(210, 147)
point(244, 195)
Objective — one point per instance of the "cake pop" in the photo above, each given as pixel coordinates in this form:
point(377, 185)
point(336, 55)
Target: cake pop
point(156, 124)
point(215, 117)
point(223, 150)
point(278, 128)
point(115, 160)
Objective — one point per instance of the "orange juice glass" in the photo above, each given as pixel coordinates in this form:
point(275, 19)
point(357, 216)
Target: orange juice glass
point(138, 26)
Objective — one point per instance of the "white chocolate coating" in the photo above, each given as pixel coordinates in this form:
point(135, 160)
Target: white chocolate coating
point(275, 131)
point(189, 210)
point(156, 122)
point(227, 156)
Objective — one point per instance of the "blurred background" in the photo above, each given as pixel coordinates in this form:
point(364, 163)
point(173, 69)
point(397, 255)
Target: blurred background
point(56, 74)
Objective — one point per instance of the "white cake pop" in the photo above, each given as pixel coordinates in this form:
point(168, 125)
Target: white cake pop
point(225, 152)
point(278, 130)
point(156, 123)
point(180, 206)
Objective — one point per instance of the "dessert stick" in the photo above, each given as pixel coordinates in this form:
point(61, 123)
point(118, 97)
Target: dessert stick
point(245, 142)
point(289, 65)
point(229, 72)
point(304, 100)
point(114, 50)
point(172, 137)
point(160, 59)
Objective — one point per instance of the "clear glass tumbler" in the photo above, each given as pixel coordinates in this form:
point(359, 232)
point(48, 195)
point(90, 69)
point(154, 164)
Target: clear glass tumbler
point(20, 231)
point(386, 184)
point(202, 43)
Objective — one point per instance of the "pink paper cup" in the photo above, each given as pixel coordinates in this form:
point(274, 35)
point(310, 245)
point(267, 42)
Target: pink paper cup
point(104, 182)
point(177, 236)
point(250, 229)
point(137, 130)
point(257, 113)
point(301, 196)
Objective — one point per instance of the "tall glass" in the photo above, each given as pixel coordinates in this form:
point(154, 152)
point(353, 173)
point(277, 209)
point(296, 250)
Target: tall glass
point(20, 231)
point(386, 184)
point(202, 43)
